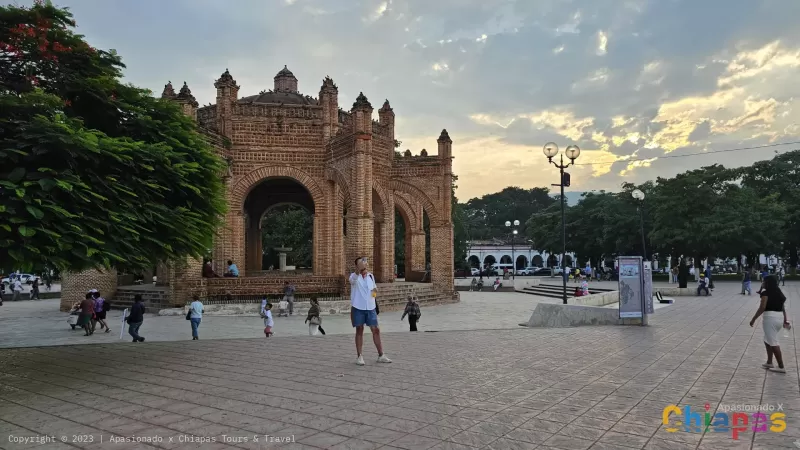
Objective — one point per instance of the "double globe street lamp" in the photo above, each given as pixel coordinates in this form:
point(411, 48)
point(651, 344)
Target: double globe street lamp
point(572, 152)
point(513, 256)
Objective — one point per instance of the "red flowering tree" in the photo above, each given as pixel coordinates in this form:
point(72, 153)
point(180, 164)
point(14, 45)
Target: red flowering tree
point(93, 172)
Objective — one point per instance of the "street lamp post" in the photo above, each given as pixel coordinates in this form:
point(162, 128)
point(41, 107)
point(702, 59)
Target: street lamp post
point(513, 256)
point(639, 195)
point(550, 150)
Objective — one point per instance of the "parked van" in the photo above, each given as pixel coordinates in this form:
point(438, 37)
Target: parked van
point(499, 269)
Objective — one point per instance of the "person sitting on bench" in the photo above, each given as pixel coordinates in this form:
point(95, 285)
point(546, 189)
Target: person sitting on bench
point(702, 285)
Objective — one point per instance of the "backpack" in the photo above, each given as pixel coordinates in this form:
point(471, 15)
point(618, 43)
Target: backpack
point(106, 306)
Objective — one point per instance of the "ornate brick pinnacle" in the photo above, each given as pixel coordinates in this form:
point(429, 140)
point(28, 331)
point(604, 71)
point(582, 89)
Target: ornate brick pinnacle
point(226, 76)
point(386, 106)
point(362, 102)
point(327, 82)
point(285, 72)
point(169, 92)
point(185, 95)
point(444, 137)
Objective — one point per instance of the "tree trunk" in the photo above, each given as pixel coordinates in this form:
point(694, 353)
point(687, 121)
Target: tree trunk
point(683, 273)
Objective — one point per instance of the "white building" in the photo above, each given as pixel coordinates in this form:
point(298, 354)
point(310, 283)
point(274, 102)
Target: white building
point(486, 253)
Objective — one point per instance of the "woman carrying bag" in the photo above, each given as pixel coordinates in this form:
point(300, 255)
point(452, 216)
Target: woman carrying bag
point(313, 319)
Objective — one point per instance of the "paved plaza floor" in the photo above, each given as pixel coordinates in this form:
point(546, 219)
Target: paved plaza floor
point(514, 388)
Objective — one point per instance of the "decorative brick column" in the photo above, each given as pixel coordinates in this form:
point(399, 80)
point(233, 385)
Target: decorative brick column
point(75, 285)
point(185, 280)
point(416, 255)
point(442, 257)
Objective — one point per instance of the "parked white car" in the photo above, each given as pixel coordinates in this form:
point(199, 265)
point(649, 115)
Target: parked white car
point(475, 272)
point(528, 270)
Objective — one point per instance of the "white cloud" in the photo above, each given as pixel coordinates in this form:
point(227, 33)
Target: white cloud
point(602, 43)
point(503, 76)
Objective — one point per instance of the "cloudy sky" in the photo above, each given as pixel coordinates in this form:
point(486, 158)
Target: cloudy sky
point(629, 81)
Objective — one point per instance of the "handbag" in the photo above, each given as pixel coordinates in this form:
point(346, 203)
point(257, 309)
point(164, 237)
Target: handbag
point(315, 321)
point(189, 315)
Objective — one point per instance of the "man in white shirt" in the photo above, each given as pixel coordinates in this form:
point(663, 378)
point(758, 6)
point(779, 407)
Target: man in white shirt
point(363, 292)
point(17, 289)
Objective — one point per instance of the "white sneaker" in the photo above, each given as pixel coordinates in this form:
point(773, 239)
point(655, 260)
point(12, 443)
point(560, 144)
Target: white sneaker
point(360, 360)
point(384, 359)
point(767, 366)
point(777, 369)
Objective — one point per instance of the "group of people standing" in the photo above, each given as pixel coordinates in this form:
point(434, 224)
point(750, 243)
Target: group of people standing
point(91, 311)
point(15, 287)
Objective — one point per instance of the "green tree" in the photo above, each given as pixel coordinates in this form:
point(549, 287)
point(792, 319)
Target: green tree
point(781, 176)
point(752, 224)
point(683, 211)
point(490, 212)
point(461, 232)
point(95, 173)
point(544, 229)
point(289, 226)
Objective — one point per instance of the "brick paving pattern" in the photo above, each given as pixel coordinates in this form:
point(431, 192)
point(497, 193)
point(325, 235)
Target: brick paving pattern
point(579, 388)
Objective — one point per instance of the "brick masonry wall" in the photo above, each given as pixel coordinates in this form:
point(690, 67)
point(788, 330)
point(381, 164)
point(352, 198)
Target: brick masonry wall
point(184, 278)
point(75, 285)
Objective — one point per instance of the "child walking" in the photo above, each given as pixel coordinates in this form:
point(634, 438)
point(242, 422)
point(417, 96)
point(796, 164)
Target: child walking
point(283, 308)
point(268, 322)
point(413, 312)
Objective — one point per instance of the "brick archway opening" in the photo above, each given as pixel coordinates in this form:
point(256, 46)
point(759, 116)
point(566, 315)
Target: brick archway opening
point(286, 208)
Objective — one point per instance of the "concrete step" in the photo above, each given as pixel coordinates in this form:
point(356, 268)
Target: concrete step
point(153, 300)
point(558, 286)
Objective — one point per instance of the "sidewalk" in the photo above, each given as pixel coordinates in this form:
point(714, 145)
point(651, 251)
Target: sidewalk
point(579, 388)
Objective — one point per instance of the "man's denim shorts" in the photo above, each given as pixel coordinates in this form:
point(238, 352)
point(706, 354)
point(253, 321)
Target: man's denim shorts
point(364, 317)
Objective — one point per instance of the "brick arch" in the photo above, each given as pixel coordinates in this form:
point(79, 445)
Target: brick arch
point(383, 197)
point(252, 179)
point(333, 174)
point(412, 221)
point(418, 194)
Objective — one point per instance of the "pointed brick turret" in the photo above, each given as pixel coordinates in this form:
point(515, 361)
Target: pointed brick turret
point(169, 92)
point(329, 101)
point(386, 117)
point(285, 81)
point(445, 145)
point(327, 82)
point(225, 79)
point(185, 95)
point(362, 102)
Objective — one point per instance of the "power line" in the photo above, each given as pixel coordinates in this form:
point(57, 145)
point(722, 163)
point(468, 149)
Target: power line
point(690, 154)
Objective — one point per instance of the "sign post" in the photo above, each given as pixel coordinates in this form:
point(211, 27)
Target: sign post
point(635, 288)
point(122, 325)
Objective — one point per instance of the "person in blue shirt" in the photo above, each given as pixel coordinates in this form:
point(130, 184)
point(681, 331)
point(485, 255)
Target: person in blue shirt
point(233, 271)
point(746, 282)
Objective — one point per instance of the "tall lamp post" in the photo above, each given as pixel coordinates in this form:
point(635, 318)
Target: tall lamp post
point(550, 150)
point(639, 195)
point(513, 256)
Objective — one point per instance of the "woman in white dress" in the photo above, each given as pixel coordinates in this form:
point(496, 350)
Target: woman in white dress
point(774, 318)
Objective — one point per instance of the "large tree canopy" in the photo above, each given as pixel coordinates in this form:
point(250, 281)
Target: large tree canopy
point(95, 173)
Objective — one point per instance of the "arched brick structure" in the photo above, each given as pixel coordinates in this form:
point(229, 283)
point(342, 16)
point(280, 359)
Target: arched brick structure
point(346, 161)
point(434, 214)
point(255, 177)
point(414, 234)
point(334, 175)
